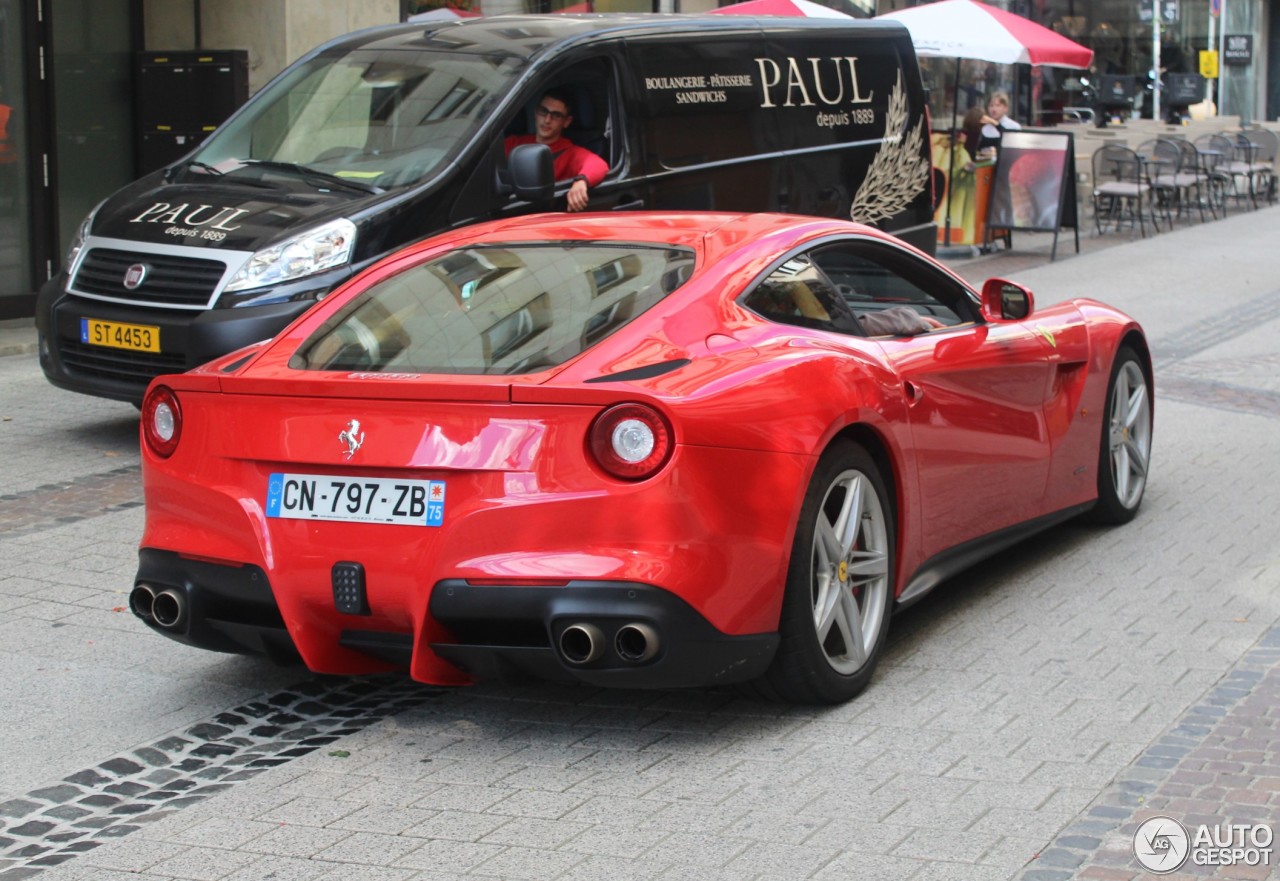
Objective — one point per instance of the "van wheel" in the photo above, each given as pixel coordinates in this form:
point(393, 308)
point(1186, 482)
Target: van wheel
point(835, 609)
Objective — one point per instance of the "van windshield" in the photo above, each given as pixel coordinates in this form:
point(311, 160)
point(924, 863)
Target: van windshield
point(374, 118)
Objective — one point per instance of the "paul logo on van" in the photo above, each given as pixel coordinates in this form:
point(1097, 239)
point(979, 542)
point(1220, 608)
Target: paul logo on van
point(183, 214)
point(810, 77)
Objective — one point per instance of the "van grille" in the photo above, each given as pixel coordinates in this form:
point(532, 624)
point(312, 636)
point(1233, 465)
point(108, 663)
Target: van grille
point(170, 280)
point(116, 364)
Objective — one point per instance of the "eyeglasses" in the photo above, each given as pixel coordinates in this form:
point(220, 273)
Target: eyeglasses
point(551, 114)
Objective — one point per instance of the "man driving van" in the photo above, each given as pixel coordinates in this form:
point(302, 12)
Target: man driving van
point(571, 162)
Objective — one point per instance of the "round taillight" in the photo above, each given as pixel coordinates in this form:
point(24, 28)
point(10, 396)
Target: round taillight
point(631, 441)
point(161, 421)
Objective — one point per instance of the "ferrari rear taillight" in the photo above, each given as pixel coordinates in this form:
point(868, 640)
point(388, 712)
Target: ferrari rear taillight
point(161, 421)
point(631, 441)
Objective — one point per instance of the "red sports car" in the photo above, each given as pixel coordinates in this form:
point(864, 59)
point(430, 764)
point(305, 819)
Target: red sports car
point(638, 449)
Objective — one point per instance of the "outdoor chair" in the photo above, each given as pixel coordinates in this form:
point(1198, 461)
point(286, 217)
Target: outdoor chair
point(1262, 162)
point(1233, 168)
point(1193, 177)
point(1163, 167)
point(1215, 154)
point(1122, 192)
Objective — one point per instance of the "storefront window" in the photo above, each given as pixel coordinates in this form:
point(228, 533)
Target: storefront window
point(1240, 82)
point(1120, 36)
point(15, 271)
point(93, 95)
point(956, 85)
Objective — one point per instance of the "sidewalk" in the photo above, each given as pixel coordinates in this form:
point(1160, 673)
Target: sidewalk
point(18, 337)
point(1026, 718)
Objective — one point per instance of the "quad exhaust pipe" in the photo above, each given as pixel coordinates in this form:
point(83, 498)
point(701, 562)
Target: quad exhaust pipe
point(166, 609)
point(636, 643)
point(142, 600)
point(583, 643)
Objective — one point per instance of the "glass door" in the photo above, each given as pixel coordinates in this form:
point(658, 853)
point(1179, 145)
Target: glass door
point(66, 129)
point(15, 247)
point(93, 45)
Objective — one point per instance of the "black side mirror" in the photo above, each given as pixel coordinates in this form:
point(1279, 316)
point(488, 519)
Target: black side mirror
point(1003, 300)
point(532, 174)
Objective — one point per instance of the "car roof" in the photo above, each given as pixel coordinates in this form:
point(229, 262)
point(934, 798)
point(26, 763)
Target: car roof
point(714, 232)
point(527, 36)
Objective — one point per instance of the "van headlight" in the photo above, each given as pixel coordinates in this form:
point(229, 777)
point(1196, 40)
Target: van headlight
point(78, 240)
point(304, 254)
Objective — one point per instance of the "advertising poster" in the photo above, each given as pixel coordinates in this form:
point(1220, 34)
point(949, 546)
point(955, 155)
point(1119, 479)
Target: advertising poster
point(1034, 185)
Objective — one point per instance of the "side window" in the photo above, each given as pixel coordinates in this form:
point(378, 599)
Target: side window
point(587, 89)
point(871, 277)
point(798, 293)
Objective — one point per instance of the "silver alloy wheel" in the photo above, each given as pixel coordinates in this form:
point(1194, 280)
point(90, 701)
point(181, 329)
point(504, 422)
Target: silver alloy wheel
point(1130, 434)
point(850, 587)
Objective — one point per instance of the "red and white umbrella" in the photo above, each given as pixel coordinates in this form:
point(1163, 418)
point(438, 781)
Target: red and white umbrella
point(788, 8)
point(968, 29)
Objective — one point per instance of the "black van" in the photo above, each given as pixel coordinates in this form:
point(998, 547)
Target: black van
point(391, 134)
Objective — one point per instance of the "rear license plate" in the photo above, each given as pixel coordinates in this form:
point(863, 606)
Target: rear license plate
point(358, 500)
point(135, 337)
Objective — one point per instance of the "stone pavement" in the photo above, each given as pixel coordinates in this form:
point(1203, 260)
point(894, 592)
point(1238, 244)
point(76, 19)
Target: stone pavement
point(1027, 717)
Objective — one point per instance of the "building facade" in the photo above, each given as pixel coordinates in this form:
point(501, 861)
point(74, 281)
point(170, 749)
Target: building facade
point(67, 80)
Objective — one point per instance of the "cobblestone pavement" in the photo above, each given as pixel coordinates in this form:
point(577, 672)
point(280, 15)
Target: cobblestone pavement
point(1027, 716)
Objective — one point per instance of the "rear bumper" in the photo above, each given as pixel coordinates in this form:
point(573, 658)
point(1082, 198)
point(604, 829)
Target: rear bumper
point(509, 632)
point(636, 635)
point(226, 608)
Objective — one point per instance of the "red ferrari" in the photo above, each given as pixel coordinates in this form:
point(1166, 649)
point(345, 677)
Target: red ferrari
point(640, 450)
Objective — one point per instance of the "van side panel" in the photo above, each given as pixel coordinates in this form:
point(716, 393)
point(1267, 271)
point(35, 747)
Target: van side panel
point(824, 121)
point(852, 119)
point(704, 143)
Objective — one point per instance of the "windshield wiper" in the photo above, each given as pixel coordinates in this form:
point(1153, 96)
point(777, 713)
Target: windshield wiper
point(206, 168)
point(325, 176)
point(203, 166)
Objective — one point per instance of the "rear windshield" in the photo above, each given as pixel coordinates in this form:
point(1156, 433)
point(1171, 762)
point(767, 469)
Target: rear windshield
point(506, 309)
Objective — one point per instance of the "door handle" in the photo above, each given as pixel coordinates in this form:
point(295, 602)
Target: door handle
point(913, 392)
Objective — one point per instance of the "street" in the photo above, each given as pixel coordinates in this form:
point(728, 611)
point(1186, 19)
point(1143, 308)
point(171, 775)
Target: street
point(1026, 716)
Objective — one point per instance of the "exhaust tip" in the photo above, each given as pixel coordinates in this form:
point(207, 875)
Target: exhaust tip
point(142, 601)
point(169, 610)
point(636, 643)
point(581, 644)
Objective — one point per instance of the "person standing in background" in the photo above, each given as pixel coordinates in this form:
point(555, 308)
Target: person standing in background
point(997, 120)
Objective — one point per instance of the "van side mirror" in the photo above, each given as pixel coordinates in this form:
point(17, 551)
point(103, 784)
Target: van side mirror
point(1003, 300)
point(532, 174)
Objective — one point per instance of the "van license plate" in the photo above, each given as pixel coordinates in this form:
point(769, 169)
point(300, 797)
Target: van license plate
point(356, 499)
point(135, 337)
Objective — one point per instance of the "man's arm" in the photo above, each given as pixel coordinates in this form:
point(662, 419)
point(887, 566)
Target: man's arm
point(896, 321)
point(587, 169)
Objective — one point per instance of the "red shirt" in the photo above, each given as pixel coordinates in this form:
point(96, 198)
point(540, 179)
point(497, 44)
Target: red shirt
point(569, 160)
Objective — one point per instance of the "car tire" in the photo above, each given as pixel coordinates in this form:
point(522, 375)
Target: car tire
point(1124, 453)
point(839, 591)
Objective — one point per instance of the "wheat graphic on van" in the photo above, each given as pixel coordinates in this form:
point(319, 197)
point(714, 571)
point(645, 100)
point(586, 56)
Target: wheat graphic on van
point(899, 172)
